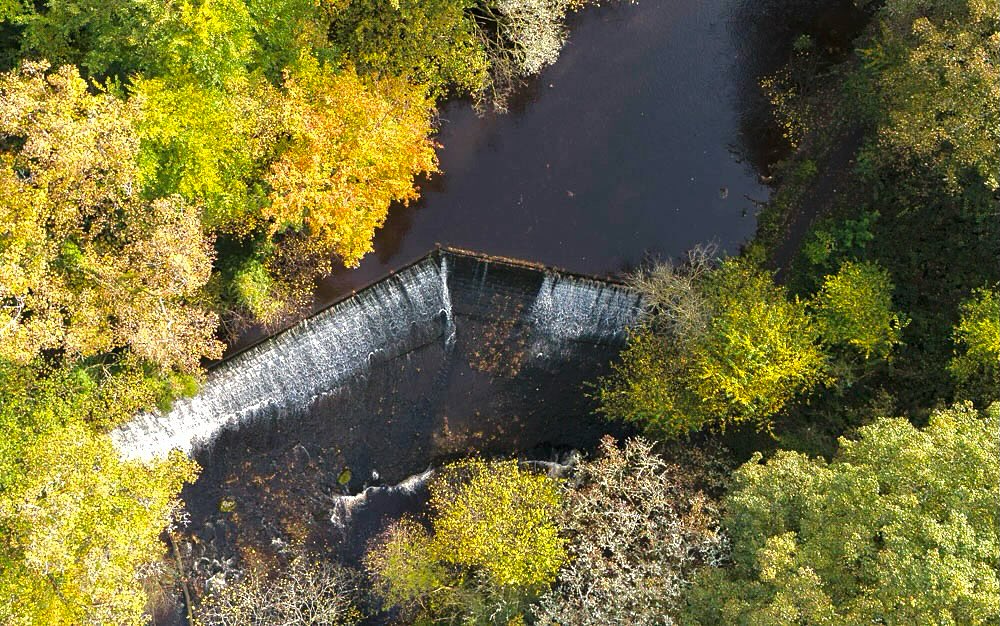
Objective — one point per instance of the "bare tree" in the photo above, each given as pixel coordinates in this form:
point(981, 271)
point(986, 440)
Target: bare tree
point(673, 302)
point(521, 38)
point(638, 528)
point(306, 592)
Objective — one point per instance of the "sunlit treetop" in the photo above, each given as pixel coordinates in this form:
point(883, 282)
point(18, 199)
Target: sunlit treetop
point(854, 307)
point(86, 264)
point(900, 528)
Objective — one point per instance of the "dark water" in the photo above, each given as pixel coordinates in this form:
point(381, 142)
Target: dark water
point(628, 146)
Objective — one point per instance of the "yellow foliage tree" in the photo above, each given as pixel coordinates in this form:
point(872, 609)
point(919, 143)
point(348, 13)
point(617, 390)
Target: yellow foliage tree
point(494, 545)
point(80, 527)
point(725, 347)
point(87, 265)
point(356, 147)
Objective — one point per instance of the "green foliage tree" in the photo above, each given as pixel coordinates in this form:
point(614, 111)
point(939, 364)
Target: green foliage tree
point(900, 528)
point(11, 9)
point(430, 42)
point(285, 29)
point(210, 145)
point(735, 349)
point(854, 308)
point(209, 39)
point(492, 547)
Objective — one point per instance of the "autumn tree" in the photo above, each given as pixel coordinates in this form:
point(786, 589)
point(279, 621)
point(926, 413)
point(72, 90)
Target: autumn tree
point(638, 526)
point(720, 347)
point(355, 148)
point(81, 530)
point(520, 38)
point(492, 546)
point(86, 264)
point(900, 528)
point(80, 527)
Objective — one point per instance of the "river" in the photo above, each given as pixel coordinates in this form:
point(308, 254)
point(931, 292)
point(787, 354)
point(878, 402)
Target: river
point(648, 136)
point(631, 145)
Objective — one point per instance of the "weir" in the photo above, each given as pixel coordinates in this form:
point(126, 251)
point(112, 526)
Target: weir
point(448, 338)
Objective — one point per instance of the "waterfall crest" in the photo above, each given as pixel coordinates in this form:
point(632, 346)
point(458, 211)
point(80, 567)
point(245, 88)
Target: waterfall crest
point(505, 316)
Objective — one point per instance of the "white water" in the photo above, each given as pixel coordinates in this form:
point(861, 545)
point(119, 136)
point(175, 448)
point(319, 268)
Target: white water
point(284, 374)
point(345, 507)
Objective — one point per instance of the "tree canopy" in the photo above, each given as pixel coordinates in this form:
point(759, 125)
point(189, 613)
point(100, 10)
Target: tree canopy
point(724, 345)
point(493, 546)
point(87, 264)
point(932, 79)
point(732, 348)
point(899, 528)
point(79, 528)
point(854, 308)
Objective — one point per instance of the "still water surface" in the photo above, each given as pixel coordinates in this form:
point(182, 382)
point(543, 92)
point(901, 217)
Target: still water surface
point(628, 146)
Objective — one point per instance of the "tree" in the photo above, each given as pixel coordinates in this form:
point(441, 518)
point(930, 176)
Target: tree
point(210, 145)
point(306, 591)
point(638, 527)
point(86, 264)
point(209, 39)
point(492, 547)
point(854, 308)
point(932, 81)
point(900, 528)
point(81, 529)
point(978, 338)
point(725, 348)
point(284, 29)
point(428, 42)
point(520, 39)
point(355, 148)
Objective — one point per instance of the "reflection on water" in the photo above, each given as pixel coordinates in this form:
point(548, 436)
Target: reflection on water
point(763, 33)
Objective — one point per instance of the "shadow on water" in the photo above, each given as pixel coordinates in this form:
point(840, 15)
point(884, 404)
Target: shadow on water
point(763, 34)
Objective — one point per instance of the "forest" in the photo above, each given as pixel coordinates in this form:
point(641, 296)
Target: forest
point(816, 419)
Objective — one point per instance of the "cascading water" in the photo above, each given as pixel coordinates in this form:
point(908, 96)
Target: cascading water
point(286, 372)
point(452, 325)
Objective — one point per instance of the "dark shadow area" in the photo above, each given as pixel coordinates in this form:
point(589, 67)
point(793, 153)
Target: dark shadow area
point(764, 34)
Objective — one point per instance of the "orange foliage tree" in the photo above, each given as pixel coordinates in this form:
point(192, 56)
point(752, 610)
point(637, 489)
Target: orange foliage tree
point(355, 147)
